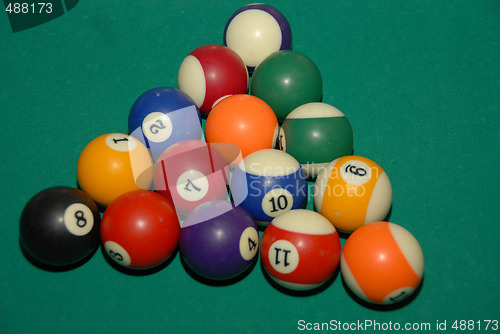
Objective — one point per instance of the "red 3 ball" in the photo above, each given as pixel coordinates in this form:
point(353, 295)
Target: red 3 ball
point(300, 249)
point(140, 229)
point(211, 72)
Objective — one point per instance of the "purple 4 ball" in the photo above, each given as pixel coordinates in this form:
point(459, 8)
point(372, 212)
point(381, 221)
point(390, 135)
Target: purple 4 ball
point(219, 241)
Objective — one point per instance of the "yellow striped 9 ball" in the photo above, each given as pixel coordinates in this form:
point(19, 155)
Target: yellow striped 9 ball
point(352, 191)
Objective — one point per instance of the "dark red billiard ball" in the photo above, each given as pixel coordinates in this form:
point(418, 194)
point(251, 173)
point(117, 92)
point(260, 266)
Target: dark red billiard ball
point(211, 72)
point(59, 226)
point(140, 229)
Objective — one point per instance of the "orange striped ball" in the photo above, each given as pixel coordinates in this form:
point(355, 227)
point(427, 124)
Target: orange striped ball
point(382, 263)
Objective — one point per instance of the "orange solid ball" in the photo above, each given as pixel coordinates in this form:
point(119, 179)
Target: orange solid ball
point(241, 121)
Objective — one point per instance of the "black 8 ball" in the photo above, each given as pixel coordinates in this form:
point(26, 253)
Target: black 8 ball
point(60, 226)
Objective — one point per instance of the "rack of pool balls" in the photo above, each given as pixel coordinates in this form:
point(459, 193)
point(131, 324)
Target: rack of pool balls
point(207, 190)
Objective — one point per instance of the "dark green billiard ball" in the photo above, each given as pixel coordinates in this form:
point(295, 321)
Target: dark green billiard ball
point(285, 80)
point(59, 226)
point(315, 134)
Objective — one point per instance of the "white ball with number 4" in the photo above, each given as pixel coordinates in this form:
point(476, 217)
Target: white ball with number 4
point(352, 191)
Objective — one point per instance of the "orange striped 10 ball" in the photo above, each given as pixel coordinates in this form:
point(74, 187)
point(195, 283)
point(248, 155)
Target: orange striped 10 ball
point(352, 191)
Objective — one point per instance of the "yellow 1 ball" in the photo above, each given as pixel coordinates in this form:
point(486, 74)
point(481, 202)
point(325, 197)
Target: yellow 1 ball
point(113, 164)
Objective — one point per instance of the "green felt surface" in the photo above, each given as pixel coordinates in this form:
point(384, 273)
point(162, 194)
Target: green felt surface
point(418, 80)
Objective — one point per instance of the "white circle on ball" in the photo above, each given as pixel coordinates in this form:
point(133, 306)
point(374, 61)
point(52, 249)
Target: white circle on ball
point(121, 142)
point(78, 219)
point(192, 185)
point(157, 127)
point(117, 253)
point(249, 243)
point(355, 172)
point(276, 202)
point(283, 256)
